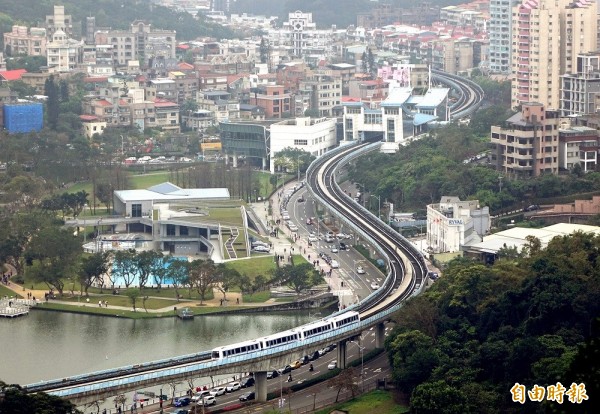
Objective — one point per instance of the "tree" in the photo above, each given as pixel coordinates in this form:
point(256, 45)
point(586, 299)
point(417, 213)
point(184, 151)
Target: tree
point(412, 359)
point(202, 276)
point(178, 272)
point(299, 277)
point(16, 401)
point(226, 278)
point(437, 397)
point(124, 266)
point(148, 263)
point(346, 380)
point(133, 295)
point(57, 252)
point(92, 269)
point(265, 50)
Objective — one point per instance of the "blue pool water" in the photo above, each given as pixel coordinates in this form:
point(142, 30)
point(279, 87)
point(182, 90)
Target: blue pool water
point(119, 281)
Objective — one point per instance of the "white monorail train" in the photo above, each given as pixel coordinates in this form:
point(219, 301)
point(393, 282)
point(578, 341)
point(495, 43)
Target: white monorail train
point(299, 333)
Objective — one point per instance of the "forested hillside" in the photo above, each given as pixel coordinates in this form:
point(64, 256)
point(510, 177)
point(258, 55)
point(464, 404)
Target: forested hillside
point(117, 14)
point(325, 12)
point(462, 346)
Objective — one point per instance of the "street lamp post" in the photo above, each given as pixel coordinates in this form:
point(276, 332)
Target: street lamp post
point(362, 365)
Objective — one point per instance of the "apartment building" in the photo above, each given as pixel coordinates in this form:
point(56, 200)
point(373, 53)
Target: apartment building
point(578, 145)
point(529, 145)
point(500, 33)
point(23, 41)
point(63, 53)
point(320, 92)
point(580, 90)
point(274, 99)
point(547, 37)
point(140, 42)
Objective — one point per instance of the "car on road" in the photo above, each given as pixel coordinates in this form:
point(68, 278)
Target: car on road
point(247, 396)
point(329, 239)
point(334, 249)
point(360, 270)
point(272, 374)
point(301, 199)
point(293, 227)
point(335, 264)
point(312, 237)
point(247, 382)
point(332, 365)
point(296, 364)
point(308, 221)
point(315, 355)
point(182, 401)
point(261, 249)
point(285, 369)
point(343, 246)
point(285, 216)
point(199, 395)
point(374, 285)
point(234, 386)
point(217, 391)
point(323, 351)
point(209, 400)
point(179, 411)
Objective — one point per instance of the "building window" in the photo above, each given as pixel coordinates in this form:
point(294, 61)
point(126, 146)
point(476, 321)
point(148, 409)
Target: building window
point(300, 142)
point(170, 230)
point(136, 210)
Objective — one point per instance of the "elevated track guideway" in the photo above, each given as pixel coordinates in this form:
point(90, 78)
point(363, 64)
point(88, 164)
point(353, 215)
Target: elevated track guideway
point(407, 273)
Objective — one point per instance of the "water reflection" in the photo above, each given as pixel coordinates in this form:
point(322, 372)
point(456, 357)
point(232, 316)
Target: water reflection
point(48, 345)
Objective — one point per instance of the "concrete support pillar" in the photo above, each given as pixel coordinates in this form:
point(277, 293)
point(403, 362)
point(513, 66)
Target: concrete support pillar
point(379, 335)
point(260, 386)
point(264, 163)
point(235, 161)
point(341, 354)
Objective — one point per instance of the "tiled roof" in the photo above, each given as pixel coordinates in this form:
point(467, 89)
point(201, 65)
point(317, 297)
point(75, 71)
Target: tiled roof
point(11, 75)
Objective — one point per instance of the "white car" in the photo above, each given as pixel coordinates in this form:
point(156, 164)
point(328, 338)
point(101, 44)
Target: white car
point(332, 365)
point(360, 270)
point(374, 285)
point(334, 249)
point(201, 394)
point(209, 400)
point(293, 227)
point(234, 386)
point(215, 392)
point(312, 238)
point(261, 249)
point(335, 264)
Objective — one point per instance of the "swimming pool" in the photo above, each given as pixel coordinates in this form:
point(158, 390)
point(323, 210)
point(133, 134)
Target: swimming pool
point(119, 281)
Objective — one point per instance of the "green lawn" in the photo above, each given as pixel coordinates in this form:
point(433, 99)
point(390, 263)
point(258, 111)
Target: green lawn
point(253, 267)
point(377, 401)
point(140, 314)
point(122, 300)
point(136, 181)
point(257, 297)
point(4, 291)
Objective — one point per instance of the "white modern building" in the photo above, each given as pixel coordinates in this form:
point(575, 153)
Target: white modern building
point(452, 224)
point(313, 135)
point(139, 203)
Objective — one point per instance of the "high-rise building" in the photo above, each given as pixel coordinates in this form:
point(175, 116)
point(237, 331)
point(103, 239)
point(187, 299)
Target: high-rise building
point(499, 29)
point(547, 36)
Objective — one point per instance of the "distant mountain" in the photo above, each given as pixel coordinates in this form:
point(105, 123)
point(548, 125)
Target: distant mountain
point(117, 14)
